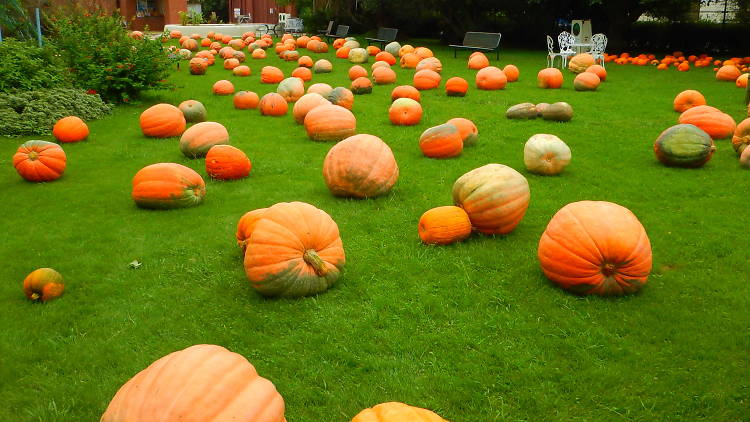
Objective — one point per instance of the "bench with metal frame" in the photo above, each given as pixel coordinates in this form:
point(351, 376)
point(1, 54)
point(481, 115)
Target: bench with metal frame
point(384, 36)
point(484, 41)
point(327, 30)
point(341, 32)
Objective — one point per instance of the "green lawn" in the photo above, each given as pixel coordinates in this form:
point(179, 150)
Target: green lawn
point(473, 331)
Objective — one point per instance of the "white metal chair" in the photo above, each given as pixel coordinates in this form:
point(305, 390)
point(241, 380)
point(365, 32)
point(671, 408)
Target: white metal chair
point(551, 52)
point(294, 25)
point(566, 40)
point(598, 47)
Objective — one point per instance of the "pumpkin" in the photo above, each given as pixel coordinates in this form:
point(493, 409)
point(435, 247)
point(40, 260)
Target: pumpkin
point(223, 87)
point(318, 47)
point(198, 66)
point(546, 154)
point(305, 61)
point(456, 87)
point(741, 82)
point(343, 52)
point(290, 56)
point(226, 52)
point(542, 107)
point(271, 75)
point(303, 73)
point(190, 44)
point(406, 49)
point(351, 43)
point(40, 161)
point(358, 55)
point(409, 61)
point(549, 78)
point(273, 104)
point(241, 71)
point(320, 88)
point(294, 250)
point(199, 138)
point(226, 39)
point(728, 73)
point(246, 225)
point(225, 162)
point(342, 97)
point(444, 225)
point(70, 129)
point(598, 70)
point(357, 71)
point(745, 158)
point(330, 123)
point(230, 64)
point(467, 129)
point(322, 66)
point(431, 63)
point(478, 61)
point(193, 111)
point(372, 50)
point(595, 247)
point(361, 85)
point(393, 48)
point(384, 75)
point(580, 62)
point(405, 91)
point(494, 196)
point(258, 54)
point(201, 383)
point(522, 111)
point(386, 56)
point(162, 121)
point(684, 146)
point(491, 78)
point(43, 284)
point(396, 412)
point(206, 54)
point(741, 137)
point(379, 64)
point(206, 42)
point(426, 79)
point(559, 112)
point(136, 35)
point(184, 54)
point(423, 52)
point(442, 141)
point(511, 72)
point(306, 103)
point(687, 99)
point(167, 186)
point(302, 41)
point(711, 120)
point(360, 166)
point(175, 34)
point(291, 89)
point(586, 81)
point(405, 112)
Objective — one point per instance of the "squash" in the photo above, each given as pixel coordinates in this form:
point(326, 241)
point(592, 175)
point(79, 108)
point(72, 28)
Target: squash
point(444, 225)
point(361, 85)
point(357, 71)
point(322, 66)
point(207, 55)
point(305, 61)
point(230, 64)
point(225, 162)
point(372, 50)
point(273, 104)
point(586, 81)
point(442, 141)
point(409, 61)
point(560, 112)
point(522, 111)
point(201, 383)
point(467, 129)
point(351, 43)
point(198, 66)
point(386, 56)
point(546, 154)
point(167, 186)
point(302, 41)
point(40, 161)
point(43, 284)
point(342, 97)
point(258, 54)
point(246, 225)
point(241, 71)
point(303, 73)
point(494, 196)
point(396, 412)
point(711, 120)
point(320, 88)
point(478, 61)
point(294, 250)
point(541, 108)
point(511, 73)
point(162, 121)
point(244, 100)
point(223, 87)
point(358, 55)
point(549, 78)
point(291, 89)
point(684, 145)
point(426, 79)
point(580, 62)
point(70, 129)
point(430, 63)
point(405, 91)
point(491, 78)
point(193, 111)
point(728, 73)
point(741, 137)
point(330, 123)
point(688, 99)
point(405, 112)
point(199, 138)
point(393, 48)
point(598, 71)
point(360, 166)
point(384, 75)
point(745, 158)
point(343, 52)
point(595, 247)
point(423, 52)
point(456, 87)
point(271, 75)
point(306, 103)
point(741, 82)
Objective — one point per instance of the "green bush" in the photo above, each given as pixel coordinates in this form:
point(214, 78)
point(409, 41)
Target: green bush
point(27, 67)
point(35, 112)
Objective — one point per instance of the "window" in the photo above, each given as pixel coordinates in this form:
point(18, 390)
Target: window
point(145, 8)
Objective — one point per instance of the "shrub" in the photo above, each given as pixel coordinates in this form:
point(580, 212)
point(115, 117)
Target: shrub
point(27, 67)
point(35, 112)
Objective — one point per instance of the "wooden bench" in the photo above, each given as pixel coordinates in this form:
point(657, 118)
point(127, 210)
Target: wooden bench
point(484, 41)
point(327, 30)
point(341, 32)
point(384, 36)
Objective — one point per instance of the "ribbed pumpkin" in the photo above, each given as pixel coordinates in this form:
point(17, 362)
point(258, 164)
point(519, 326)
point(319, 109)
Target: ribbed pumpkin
point(226, 52)
point(303, 73)
point(273, 104)
point(405, 91)
point(230, 64)
point(549, 78)
point(305, 61)
point(341, 96)
point(241, 71)
point(320, 88)
point(357, 55)
point(444, 225)
point(372, 50)
point(431, 63)
point(271, 75)
point(511, 72)
point(343, 52)
point(741, 82)
point(190, 44)
point(393, 48)
point(546, 154)
point(294, 250)
point(495, 196)
point(290, 56)
point(467, 129)
point(70, 129)
point(201, 383)
point(426, 79)
point(225, 162)
point(167, 186)
point(741, 137)
point(728, 73)
point(361, 85)
point(357, 71)
point(360, 166)
point(684, 146)
point(246, 225)
point(586, 81)
point(423, 52)
point(193, 111)
point(383, 75)
point(688, 99)
point(302, 41)
point(223, 87)
point(206, 54)
point(386, 57)
point(244, 100)
point(598, 70)
point(306, 103)
point(330, 123)
point(409, 61)
point(405, 112)
point(442, 141)
point(291, 89)
point(711, 120)
point(491, 78)
point(456, 87)
point(258, 54)
point(396, 412)
point(595, 247)
point(162, 121)
point(478, 61)
point(199, 138)
point(580, 62)
point(43, 284)
point(404, 50)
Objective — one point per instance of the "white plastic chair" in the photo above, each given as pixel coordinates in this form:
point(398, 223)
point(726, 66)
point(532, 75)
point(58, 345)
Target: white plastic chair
point(566, 40)
point(551, 52)
point(598, 47)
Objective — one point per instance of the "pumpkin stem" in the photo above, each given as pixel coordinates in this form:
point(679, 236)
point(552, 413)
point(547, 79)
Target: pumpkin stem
point(608, 269)
point(35, 296)
point(33, 155)
point(314, 260)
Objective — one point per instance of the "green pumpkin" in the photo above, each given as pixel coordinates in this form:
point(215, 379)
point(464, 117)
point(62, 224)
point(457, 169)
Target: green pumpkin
point(684, 145)
point(522, 111)
point(194, 111)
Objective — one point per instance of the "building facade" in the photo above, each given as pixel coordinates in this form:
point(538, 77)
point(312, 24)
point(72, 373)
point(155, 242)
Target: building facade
point(260, 11)
point(139, 14)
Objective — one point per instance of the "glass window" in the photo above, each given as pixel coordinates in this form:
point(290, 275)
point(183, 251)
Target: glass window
point(145, 8)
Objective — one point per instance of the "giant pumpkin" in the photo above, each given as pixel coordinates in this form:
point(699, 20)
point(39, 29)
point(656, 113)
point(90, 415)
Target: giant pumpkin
point(271, 75)
point(711, 120)
point(70, 129)
point(396, 412)
point(193, 110)
point(405, 91)
point(167, 186)
point(225, 162)
point(684, 146)
point(273, 104)
point(199, 138)
point(549, 78)
point(405, 112)
point(546, 154)
point(426, 79)
point(330, 123)
point(291, 89)
point(246, 225)
point(741, 137)
point(40, 161)
point(580, 62)
point(467, 129)
point(442, 141)
point(490, 78)
point(162, 121)
point(306, 103)
point(360, 166)
point(688, 99)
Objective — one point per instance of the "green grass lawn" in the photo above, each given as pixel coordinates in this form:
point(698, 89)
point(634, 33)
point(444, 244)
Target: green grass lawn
point(473, 331)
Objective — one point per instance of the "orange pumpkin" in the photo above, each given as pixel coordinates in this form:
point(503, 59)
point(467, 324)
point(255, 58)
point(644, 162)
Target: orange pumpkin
point(595, 247)
point(728, 73)
point(273, 104)
point(258, 54)
point(40, 161)
point(70, 129)
point(201, 383)
point(456, 87)
point(409, 61)
point(291, 89)
point(467, 129)
point(511, 73)
point(167, 186)
point(303, 73)
point(598, 70)
point(549, 78)
point(357, 71)
point(271, 75)
point(586, 81)
point(687, 99)
point(338, 42)
point(223, 87)
point(444, 225)
point(442, 141)
point(385, 57)
point(396, 412)
point(741, 82)
point(230, 64)
point(360, 166)
point(405, 112)
point(312, 257)
point(383, 75)
point(162, 121)
point(426, 79)
point(43, 284)
point(431, 63)
point(330, 123)
point(341, 96)
point(404, 50)
point(423, 52)
point(343, 52)
point(305, 61)
point(225, 162)
point(478, 61)
point(320, 88)
point(306, 103)
point(491, 78)
point(246, 225)
point(302, 41)
point(361, 85)
point(580, 62)
point(711, 120)
point(199, 138)
point(241, 71)
point(373, 50)
point(405, 91)
point(741, 137)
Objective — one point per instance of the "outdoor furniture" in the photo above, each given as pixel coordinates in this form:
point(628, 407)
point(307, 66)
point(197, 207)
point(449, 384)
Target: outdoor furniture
point(551, 52)
point(341, 32)
point(566, 40)
point(245, 18)
point(327, 30)
point(384, 35)
point(598, 47)
point(484, 41)
point(294, 26)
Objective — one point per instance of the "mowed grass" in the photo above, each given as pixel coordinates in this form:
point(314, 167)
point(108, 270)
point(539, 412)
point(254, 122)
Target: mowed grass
point(473, 331)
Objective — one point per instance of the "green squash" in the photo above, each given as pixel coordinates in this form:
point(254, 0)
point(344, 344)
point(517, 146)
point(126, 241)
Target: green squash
point(194, 111)
point(522, 111)
point(559, 112)
point(684, 145)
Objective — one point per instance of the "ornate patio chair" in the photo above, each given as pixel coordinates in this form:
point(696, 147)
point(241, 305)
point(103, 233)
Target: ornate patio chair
point(565, 40)
point(551, 52)
point(598, 47)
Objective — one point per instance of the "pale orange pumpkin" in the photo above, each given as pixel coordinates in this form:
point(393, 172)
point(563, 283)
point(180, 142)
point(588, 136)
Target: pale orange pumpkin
point(223, 87)
point(306, 103)
point(291, 89)
point(303, 73)
point(330, 123)
point(728, 73)
point(405, 91)
point(511, 72)
point(491, 78)
point(711, 120)
point(478, 61)
point(688, 99)
point(396, 412)
point(271, 75)
point(549, 78)
point(360, 166)
point(357, 71)
point(467, 129)
point(383, 75)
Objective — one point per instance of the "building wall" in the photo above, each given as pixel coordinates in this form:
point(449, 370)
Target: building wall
point(167, 11)
point(262, 11)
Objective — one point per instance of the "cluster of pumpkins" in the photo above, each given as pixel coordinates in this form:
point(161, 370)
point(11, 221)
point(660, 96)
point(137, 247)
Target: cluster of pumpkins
point(679, 61)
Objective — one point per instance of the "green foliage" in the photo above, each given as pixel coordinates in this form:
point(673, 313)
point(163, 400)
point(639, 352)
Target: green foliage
point(215, 11)
point(14, 20)
point(99, 55)
point(190, 18)
point(27, 67)
point(35, 112)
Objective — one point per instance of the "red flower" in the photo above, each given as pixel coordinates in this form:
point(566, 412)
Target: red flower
point(91, 91)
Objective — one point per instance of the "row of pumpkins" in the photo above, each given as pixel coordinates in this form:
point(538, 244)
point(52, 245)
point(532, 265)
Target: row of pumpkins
point(682, 63)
